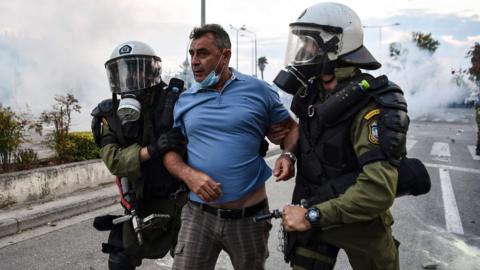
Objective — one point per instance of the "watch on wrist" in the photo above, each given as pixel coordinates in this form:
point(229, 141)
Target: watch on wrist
point(313, 216)
point(290, 155)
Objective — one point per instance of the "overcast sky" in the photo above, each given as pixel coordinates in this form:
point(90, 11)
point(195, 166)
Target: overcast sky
point(49, 47)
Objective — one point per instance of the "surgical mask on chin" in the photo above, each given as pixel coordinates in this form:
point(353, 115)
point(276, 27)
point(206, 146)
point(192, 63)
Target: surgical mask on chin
point(129, 109)
point(212, 78)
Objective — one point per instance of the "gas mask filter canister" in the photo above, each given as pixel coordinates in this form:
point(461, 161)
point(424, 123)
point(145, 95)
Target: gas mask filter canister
point(129, 109)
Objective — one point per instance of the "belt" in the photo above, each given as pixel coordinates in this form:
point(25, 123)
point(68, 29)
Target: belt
point(236, 213)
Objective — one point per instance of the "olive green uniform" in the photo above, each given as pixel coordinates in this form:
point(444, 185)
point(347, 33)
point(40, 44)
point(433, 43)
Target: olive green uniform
point(358, 221)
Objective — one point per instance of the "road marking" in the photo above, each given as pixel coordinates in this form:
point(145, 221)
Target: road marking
point(410, 144)
point(440, 151)
point(452, 216)
point(453, 168)
point(471, 149)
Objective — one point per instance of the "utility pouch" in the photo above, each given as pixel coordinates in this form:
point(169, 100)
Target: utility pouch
point(104, 223)
point(158, 239)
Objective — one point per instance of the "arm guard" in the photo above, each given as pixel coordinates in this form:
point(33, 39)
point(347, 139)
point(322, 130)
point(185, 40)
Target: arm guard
point(393, 123)
point(102, 110)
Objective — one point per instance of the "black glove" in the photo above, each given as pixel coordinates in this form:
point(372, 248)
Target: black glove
point(170, 140)
point(263, 148)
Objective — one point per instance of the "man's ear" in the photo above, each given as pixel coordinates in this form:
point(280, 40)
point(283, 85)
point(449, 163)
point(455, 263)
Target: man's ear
point(227, 53)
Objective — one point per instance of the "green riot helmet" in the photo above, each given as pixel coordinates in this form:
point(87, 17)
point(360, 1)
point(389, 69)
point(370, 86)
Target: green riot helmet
point(133, 68)
point(325, 36)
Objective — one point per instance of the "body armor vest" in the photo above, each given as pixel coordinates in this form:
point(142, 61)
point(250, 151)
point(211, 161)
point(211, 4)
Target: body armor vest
point(327, 163)
point(155, 119)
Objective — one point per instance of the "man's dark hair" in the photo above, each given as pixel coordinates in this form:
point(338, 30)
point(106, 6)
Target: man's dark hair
point(221, 38)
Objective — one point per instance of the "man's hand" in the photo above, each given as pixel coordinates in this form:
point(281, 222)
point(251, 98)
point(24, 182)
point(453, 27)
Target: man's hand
point(284, 168)
point(294, 218)
point(204, 186)
point(277, 133)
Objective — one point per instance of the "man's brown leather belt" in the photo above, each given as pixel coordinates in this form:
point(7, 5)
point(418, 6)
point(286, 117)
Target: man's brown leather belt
point(236, 213)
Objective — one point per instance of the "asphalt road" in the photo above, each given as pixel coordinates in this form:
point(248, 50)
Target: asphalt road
point(439, 230)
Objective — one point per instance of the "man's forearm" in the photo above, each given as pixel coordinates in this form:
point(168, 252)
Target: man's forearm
point(174, 163)
point(198, 182)
point(290, 141)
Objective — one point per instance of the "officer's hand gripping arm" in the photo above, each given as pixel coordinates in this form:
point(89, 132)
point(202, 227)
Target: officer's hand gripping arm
point(171, 140)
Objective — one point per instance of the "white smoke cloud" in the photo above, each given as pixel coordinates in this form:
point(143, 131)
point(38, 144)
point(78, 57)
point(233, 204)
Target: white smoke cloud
point(60, 47)
point(426, 79)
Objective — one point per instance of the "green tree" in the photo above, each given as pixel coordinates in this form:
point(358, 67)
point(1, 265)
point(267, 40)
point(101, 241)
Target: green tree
point(61, 118)
point(474, 70)
point(12, 134)
point(425, 41)
point(262, 63)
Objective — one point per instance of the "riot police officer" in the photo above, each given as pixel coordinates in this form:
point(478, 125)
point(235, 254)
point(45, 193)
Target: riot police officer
point(133, 133)
point(352, 141)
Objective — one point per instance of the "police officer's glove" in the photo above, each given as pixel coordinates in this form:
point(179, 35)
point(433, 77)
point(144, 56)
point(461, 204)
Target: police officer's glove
point(263, 148)
point(169, 140)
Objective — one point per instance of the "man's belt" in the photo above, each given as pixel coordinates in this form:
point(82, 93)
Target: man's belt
point(236, 213)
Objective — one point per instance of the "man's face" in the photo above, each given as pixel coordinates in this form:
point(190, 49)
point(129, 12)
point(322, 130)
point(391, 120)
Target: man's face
point(205, 57)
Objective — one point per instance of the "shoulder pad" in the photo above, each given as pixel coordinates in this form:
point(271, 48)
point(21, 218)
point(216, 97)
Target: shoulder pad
point(103, 108)
point(391, 96)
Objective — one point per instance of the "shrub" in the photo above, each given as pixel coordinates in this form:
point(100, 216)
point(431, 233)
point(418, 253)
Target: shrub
point(12, 134)
point(60, 116)
point(26, 159)
point(79, 146)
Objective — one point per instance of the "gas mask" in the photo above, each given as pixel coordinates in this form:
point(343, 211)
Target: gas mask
point(310, 52)
point(129, 109)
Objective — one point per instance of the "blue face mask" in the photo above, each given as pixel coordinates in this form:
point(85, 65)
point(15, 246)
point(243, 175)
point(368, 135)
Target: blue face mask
point(211, 79)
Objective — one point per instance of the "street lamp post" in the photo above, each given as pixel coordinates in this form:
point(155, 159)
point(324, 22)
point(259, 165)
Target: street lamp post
point(236, 29)
point(202, 15)
point(243, 28)
point(380, 30)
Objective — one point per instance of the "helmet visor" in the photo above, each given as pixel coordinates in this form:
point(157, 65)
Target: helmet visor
point(305, 45)
point(133, 73)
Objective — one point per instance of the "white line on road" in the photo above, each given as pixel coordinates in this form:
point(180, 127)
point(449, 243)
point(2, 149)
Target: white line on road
point(410, 144)
point(471, 149)
point(440, 151)
point(453, 168)
point(452, 216)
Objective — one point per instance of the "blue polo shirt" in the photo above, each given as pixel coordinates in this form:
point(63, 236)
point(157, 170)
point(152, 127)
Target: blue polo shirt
point(225, 129)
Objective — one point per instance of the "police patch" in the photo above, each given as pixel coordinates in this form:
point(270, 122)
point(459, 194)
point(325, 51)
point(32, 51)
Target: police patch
point(125, 49)
point(373, 132)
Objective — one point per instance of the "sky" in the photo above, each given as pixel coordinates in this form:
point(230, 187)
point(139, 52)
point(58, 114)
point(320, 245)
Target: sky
point(50, 47)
